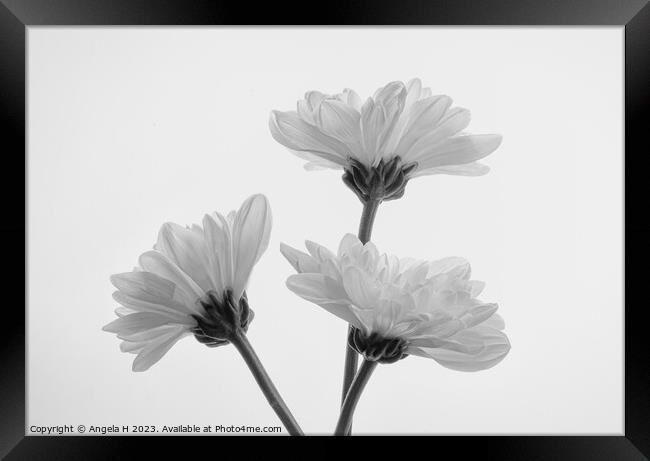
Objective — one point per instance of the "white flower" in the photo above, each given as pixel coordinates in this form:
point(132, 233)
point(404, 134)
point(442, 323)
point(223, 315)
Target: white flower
point(189, 269)
point(429, 307)
point(399, 120)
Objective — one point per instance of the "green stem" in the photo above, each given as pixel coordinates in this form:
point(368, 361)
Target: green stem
point(344, 424)
point(240, 341)
point(365, 231)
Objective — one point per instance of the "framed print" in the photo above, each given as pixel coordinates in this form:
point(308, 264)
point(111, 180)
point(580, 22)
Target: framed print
point(424, 221)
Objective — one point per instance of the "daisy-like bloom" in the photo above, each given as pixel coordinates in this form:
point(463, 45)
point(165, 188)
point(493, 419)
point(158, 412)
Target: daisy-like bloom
point(192, 283)
point(402, 306)
point(401, 132)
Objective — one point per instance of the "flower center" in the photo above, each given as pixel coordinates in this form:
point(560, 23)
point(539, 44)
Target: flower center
point(223, 318)
point(385, 181)
point(376, 348)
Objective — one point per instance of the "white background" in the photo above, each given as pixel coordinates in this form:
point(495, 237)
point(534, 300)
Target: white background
point(132, 127)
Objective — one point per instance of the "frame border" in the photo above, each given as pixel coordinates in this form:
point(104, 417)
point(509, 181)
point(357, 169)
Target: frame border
point(17, 15)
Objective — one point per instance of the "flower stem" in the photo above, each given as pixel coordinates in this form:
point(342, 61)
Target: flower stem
point(367, 219)
point(240, 341)
point(344, 425)
point(365, 231)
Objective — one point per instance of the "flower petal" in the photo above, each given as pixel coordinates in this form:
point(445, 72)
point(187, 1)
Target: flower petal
point(325, 292)
point(496, 322)
point(347, 243)
point(155, 350)
point(251, 234)
point(147, 286)
point(218, 238)
point(291, 131)
point(391, 96)
point(132, 347)
point(142, 321)
point(475, 287)
point(438, 326)
point(487, 347)
point(319, 252)
point(340, 121)
point(187, 249)
point(468, 169)
point(160, 306)
point(413, 90)
point(361, 289)
point(423, 118)
point(458, 150)
point(307, 107)
point(316, 160)
point(147, 336)
point(351, 98)
point(301, 262)
point(427, 133)
point(159, 264)
point(479, 314)
point(379, 117)
point(318, 165)
point(373, 120)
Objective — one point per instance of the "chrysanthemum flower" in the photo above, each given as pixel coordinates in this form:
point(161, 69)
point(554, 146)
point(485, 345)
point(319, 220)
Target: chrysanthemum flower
point(401, 132)
point(192, 282)
point(402, 306)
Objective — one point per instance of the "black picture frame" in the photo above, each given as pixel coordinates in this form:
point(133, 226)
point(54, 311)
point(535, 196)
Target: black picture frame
point(634, 15)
